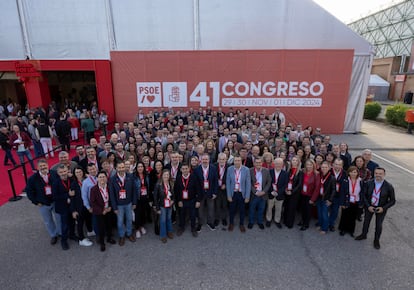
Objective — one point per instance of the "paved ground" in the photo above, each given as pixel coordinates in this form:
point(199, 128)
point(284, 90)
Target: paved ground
point(269, 259)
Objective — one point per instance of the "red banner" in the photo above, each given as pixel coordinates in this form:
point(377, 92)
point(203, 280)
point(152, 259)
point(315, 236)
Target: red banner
point(310, 87)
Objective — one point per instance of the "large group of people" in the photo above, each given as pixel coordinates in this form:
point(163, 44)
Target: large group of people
point(203, 167)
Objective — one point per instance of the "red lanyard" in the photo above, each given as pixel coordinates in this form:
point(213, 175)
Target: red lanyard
point(237, 173)
point(142, 180)
point(93, 180)
point(104, 193)
point(276, 177)
point(122, 183)
point(377, 192)
point(324, 179)
point(166, 191)
point(80, 183)
point(221, 171)
point(293, 174)
point(185, 181)
point(174, 171)
point(353, 185)
point(205, 173)
point(47, 178)
point(67, 185)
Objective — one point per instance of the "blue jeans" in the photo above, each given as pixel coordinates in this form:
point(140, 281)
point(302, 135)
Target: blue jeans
point(124, 214)
point(334, 212)
point(51, 220)
point(165, 221)
point(323, 215)
point(9, 156)
point(64, 223)
point(257, 206)
point(37, 147)
point(28, 155)
point(237, 203)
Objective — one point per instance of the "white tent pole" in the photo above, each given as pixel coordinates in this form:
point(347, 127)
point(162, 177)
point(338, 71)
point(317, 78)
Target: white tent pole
point(24, 31)
point(110, 24)
point(196, 17)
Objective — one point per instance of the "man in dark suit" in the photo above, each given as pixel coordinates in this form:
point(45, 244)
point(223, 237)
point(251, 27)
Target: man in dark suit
point(378, 197)
point(261, 184)
point(207, 181)
point(277, 193)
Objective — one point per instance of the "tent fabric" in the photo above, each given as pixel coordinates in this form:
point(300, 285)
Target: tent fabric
point(77, 29)
point(357, 94)
point(377, 81)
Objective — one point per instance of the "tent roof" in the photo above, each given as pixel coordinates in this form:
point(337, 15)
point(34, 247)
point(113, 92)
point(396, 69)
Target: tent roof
point(90, 29)
point(377, 81)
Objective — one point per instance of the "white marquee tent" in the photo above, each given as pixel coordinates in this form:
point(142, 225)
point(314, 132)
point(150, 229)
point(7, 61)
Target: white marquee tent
point(77, 29)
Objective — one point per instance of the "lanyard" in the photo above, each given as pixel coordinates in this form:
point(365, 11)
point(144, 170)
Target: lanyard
point(104, 193)
point(353, 185)
point(166, 191)
point(293, 174)
point(324, 179)
point(237, 173)
point(174, 171)
point(205, 173)
point(276, 177)
point(221, 171)
point(122, 183)
point(80, 183)
point(46, 179)
point(67, 185)
point(142, 180)
point(93, 180)
point(185, 181)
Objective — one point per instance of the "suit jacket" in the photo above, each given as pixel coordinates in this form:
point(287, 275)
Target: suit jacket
point(387, 194)
point(339, 181)
point(266, 182)
point(61, 195)
point(297, 182)
point(329, 190)
point(212, 180)
point(96, 200)
point(245, 182)
point(222, 143)
point(223, 182)
point(114, 186)
point(282, 182)
point(35, 188)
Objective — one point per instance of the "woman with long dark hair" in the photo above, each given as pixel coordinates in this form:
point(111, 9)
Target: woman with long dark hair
point(143, 209)
point(293, 191)
point(154, 177)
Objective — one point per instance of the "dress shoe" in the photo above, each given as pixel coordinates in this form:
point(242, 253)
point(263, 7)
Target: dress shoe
point(224, 222)
point(111, 241)
point(65, 245)
point(74, 238)
point(170, 235)
point(211, 227)
point(268, 224)
point(331, 228)
point(342, 233)
point(180, 232)
point(122, 241)
point(103, 248)
point(261, 226)
point(231, 227)
point(132, 238)
point(242, 229)
point(377, 244)
point(361, 237)
point(164, 240)
point(216, 223)
point(250, 226)
point(194, 233)
point(303, 228)
point(198, 228)
point(279, 225)
point(53, 240)
point(300, 224)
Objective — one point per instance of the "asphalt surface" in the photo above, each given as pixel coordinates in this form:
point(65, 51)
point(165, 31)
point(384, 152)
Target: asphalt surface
point(269, 259)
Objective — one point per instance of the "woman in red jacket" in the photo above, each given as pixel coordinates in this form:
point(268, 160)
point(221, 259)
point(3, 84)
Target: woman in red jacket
point(21, 142)
point(310, 188)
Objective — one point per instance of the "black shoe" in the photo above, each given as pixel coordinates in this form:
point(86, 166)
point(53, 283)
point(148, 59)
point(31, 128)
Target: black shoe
point(103, 248)
point(342, 233)
point(377, 244)
point(300, 224)
point(268, 224)
point(65, 245)
point(111, 241)
point(279, 225)
point(216, 223)
point(198, 228)
point(224, 222)
point(211, 227)
point(303, 228)
point(53, 240)
point(361, 237)
point(359, 218)
point(351, 234)
point(332, 228)
point(194, 233)
point(74, 238)
point(261, 226)
point(250, 226)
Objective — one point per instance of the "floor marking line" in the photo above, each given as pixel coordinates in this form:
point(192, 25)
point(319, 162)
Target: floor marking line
point(393, 163)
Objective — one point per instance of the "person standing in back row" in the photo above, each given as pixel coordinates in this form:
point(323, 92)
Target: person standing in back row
point(379, 196)
point(44, 134)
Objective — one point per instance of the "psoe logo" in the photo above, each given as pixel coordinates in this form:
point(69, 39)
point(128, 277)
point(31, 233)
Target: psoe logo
point(149, 94)
point(174, 94)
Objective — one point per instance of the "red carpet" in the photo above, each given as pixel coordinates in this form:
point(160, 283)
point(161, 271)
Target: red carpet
point(17, 175)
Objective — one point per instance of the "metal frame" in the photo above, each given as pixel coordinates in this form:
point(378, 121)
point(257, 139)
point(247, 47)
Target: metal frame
point(390, 30)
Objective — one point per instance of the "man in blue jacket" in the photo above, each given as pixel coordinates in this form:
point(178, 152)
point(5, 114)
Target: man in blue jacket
point(238, 186)
point(123, 196)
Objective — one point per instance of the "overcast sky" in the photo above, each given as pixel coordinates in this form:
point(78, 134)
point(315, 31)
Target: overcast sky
point(347, 10)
